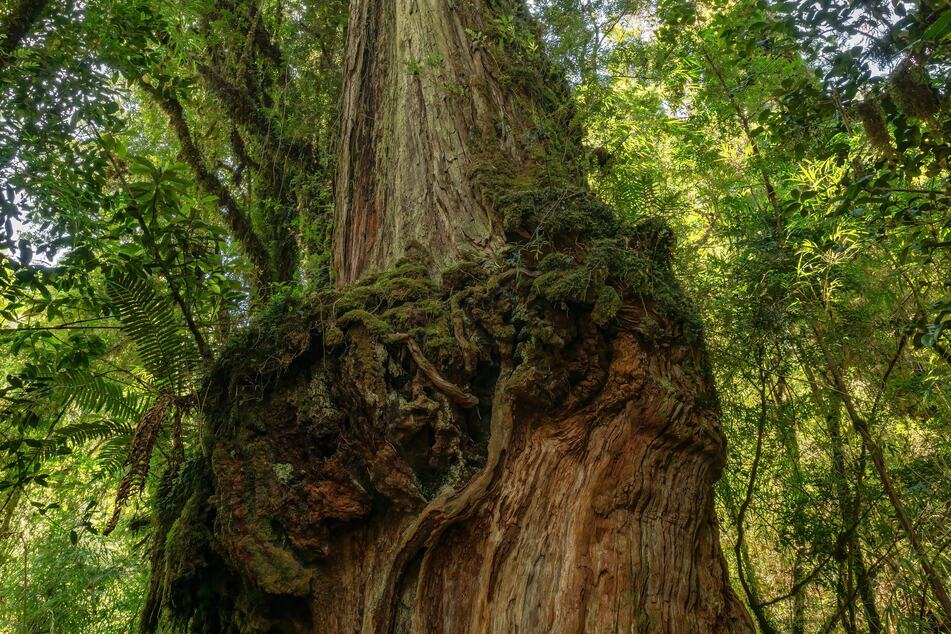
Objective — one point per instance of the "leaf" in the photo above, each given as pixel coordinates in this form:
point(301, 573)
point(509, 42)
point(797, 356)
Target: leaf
point(939, 29)
point(97, 393)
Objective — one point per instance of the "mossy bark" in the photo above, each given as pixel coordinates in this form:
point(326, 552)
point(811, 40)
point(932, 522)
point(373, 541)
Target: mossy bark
point(502, 421)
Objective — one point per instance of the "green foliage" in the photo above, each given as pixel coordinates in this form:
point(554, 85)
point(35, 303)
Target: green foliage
point(150, 322)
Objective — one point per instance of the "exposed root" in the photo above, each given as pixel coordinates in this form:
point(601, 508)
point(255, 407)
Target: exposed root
point(457, 394)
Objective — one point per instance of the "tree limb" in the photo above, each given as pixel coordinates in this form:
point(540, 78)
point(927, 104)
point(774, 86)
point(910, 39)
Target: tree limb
point(238, 221)
point(18, 24)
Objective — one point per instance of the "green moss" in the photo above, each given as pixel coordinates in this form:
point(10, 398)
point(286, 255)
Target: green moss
point(463, 274)
point(556, 216)
point(606, 306)
point(872, 116)
point(182, 546)
point(374, 324)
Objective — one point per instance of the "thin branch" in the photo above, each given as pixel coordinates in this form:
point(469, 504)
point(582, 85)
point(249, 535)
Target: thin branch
point(765, 625)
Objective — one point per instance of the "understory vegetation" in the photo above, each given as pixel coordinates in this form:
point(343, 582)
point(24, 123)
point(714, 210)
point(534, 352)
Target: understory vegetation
point(166, 211)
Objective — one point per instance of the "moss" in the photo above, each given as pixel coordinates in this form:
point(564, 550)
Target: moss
point(872, 116)
point(912, 91)
point(462, 275)
point(556, 262)
point(606, 306)
point(558, 216)
point(570, 284)
point(374, 324)
point(333, 335)
point(182, 546)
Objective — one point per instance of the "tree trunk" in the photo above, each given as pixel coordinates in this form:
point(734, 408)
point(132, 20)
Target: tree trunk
point(439, 102)
point(487, 452)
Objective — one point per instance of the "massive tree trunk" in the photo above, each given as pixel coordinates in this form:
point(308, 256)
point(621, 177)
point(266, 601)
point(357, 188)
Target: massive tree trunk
point(501, 422)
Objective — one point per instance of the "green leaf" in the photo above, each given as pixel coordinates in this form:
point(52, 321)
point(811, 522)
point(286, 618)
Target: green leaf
point(940, 28)
point(150, 320)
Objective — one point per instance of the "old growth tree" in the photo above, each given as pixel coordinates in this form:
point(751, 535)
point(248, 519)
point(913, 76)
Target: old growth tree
point(334, 334)
point(501, 420)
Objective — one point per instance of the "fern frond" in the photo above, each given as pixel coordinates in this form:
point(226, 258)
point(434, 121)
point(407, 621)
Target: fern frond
point(141, 446)
point(97, 394)
point(112, 454)
point(97, 430)
point(150, 320)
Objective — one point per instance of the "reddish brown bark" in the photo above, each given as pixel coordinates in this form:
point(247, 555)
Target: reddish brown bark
point(589, 510)
point(598, 519)
point(595, 519)
point(433, 108)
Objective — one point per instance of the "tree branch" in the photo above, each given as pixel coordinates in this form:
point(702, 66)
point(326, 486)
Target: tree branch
point(242, 109)
point(755, 605)
point(18, 25)
point(238, 221)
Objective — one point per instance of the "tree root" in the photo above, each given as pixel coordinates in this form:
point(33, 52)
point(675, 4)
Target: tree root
point(454, 392)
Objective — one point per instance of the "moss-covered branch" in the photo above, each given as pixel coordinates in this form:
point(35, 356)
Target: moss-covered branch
point(238, 221)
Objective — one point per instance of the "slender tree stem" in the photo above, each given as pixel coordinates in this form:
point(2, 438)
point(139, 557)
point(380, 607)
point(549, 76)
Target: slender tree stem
point(860, 424)
point(762, 618)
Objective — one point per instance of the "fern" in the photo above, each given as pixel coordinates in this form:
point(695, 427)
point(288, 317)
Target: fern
point(141, 446)
point(97, 394)
point(112, 454)
point(150, 320)
point(96, 430)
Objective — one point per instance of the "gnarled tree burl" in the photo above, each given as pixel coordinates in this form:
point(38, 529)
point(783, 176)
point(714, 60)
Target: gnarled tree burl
point(501, 421)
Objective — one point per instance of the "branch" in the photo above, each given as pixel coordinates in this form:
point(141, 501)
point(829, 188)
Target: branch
point(822, 564)
point(18, 25)
point(238, 221)
point(761, 617)
point(242, 109)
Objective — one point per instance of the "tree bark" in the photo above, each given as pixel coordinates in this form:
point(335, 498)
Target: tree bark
point(433, 110)
point(551, 472)
point(601, 520)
